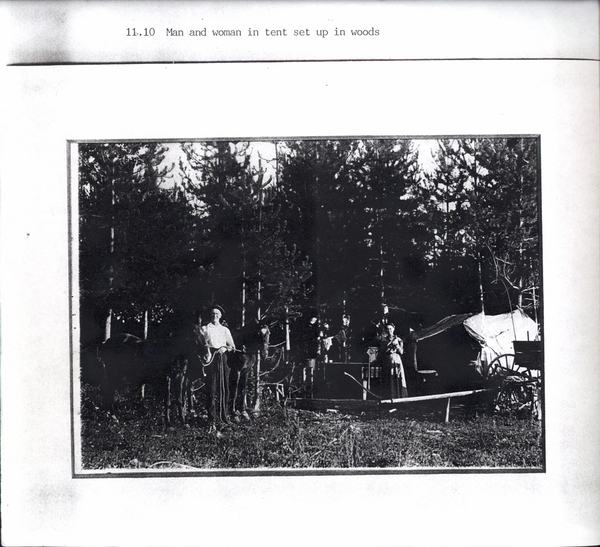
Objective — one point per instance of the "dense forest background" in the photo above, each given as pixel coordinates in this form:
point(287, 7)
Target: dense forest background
point(282, 230)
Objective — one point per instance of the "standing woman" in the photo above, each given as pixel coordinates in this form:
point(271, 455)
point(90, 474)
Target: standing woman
point(393, 380)
point(219, 340)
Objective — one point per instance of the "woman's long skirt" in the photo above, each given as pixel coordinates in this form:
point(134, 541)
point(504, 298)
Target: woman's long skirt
point(393, 379)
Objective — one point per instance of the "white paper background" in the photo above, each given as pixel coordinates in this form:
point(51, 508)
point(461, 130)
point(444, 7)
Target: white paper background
point(96, 30)
point(42, 107)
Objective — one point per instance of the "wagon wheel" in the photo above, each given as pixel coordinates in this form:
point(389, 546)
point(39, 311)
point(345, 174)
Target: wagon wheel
point(516, 395)
point(503, 365)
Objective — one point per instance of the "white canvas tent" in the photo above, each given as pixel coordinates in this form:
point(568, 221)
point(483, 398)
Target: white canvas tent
point(496, 333)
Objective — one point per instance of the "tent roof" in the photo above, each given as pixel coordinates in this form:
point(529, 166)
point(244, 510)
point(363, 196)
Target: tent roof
point(441, 326)
point(497, 332)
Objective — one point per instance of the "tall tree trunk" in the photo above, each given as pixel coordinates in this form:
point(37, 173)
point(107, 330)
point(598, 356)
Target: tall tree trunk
point(108, 325)
point(520, 280)
point(108, 322)
point(244, 288)
point(287, 330)
point(480, 276)
point(257, 386)
point(478, 231)
point(146, 325)
point(381, 266)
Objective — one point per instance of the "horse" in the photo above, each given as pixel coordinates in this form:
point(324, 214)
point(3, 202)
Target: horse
point(90, 365)
point(129, 361)
point(253, 340)
point(192, 356)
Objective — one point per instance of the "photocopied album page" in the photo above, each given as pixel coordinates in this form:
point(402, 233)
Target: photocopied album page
point(300, 273)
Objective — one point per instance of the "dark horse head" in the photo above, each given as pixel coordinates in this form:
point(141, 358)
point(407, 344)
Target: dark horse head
point(192, 345)
point(253, 338)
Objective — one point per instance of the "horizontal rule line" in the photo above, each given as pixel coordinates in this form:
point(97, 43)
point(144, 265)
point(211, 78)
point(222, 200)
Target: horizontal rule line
point(258, 61)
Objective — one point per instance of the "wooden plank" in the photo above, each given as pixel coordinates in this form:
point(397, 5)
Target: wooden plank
point(335, 404)
point(342, 363)
point(435, 396)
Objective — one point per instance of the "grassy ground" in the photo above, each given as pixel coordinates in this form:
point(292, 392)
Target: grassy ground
point(287, 437)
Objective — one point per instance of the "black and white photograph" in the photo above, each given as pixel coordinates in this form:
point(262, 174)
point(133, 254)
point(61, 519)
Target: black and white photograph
point(314, 305)
point(302, 273)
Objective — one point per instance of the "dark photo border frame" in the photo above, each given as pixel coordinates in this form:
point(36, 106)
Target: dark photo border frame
point(72, 196)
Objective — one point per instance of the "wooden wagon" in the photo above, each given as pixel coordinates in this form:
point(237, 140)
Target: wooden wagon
point(520, 375)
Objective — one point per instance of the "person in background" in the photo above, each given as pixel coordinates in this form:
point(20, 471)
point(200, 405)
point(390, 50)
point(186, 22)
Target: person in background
point(312, 351)
point(220, 342)
point(393, 380)
point(325, 342)
point(343, 339)
point(383, 322)
point(311, 338)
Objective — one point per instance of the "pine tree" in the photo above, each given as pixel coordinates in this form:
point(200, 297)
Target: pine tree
point(136, 235)
point(485, 219)
point(256, 269)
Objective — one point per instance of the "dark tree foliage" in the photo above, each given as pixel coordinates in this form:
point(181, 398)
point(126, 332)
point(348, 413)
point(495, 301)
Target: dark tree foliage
point(308, 183)
point(257, 270)
point(386, 176)
point(456, 220)
point(514, 229)
point(353, 207)
point(137, 238)
point(336, 226)
point(485, 219)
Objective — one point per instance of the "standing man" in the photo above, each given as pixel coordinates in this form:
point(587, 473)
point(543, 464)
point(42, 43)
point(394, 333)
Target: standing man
point(219, 340)
point(344, 339)
point(312, 333)
point(393, 380)
point(312, 350)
